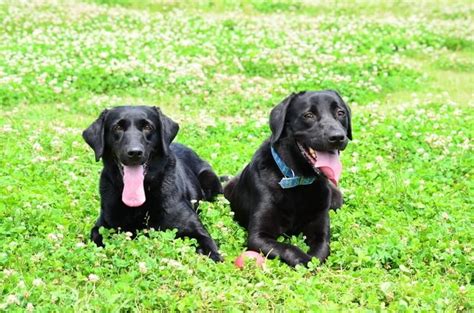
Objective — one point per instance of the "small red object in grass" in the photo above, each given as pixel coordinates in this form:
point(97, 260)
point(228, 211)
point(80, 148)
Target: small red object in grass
point(249, 255)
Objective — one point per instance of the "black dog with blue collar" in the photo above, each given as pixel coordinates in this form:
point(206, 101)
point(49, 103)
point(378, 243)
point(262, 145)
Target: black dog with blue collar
point(281, 191)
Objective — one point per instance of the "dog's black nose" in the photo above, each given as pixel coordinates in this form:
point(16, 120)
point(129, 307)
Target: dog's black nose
point(337, 137)
point(135, 153)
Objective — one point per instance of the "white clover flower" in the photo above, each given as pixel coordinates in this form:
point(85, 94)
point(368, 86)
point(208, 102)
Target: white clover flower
point(172, 263)
point(353, 169)
point(93, 278)
point(39, 159)
point(142, 267)
point(8, 272)
point(38, 282)
point(37, 147)
point(13, 299)
point(52, 237)
point(6, 128)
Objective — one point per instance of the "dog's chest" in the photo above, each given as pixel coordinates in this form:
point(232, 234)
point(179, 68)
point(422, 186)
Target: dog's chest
point(129, 219)
point(305, 203)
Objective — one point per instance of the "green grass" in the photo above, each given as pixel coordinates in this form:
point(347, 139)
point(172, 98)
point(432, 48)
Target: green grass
point(403, 241)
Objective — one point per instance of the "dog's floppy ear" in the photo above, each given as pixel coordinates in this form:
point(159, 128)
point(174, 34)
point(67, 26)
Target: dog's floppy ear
point(168, 130)
point(348, 109)
point(349, 123)
point(277, 118)
point(94, 135)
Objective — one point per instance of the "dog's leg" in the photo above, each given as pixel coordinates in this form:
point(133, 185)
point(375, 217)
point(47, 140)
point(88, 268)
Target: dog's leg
point(229, 187)
point(336, 197)
point(288, 253)
point(96, 237)
point(187, 222)
point(210, 184)
point(317, 235)
point(207, 246)
point(262, 237)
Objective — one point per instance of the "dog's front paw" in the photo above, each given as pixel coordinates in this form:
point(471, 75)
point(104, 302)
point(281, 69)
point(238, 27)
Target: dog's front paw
point(214, 255)
point(321, 252)
point(300, 259)
point(96, 237)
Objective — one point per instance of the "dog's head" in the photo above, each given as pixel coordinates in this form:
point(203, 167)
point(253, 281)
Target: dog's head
point(319, 123)
point(131, 136)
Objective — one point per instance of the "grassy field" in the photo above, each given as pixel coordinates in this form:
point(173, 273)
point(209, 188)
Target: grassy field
point(403, 241)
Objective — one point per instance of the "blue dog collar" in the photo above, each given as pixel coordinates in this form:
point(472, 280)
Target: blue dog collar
point(290, 180)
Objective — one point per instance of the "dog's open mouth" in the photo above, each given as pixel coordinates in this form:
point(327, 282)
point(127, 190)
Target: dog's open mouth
point(326, 162)
point(133, 194)
point(310, 155)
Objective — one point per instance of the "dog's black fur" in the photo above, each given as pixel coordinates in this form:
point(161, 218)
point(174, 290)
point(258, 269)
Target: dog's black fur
point(135, 135)
point(267, 210)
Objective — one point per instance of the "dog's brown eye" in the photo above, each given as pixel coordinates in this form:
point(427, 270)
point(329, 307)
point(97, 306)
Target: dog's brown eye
point(117, 128)
point(341, 113)
point(147, 127)
point(308, 115)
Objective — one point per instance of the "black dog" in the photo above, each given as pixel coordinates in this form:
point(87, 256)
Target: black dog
point(147, 182)
point(308, 131)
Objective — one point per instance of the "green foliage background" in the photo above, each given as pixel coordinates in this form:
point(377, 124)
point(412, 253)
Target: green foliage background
point(403, 240)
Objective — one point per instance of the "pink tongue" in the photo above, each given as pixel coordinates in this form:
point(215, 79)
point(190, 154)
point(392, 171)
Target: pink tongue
point(133, 193)
point(329, 164)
